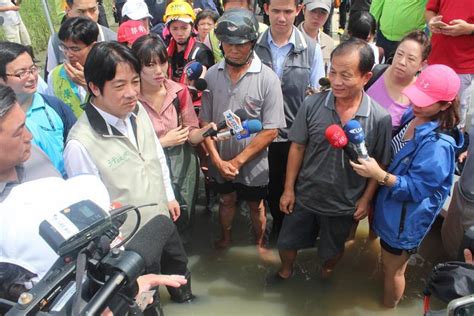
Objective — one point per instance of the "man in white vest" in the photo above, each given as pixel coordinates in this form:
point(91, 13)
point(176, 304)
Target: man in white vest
point(115, 140)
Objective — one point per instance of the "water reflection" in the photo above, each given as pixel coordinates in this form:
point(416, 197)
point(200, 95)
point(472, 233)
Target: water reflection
point(233, 282)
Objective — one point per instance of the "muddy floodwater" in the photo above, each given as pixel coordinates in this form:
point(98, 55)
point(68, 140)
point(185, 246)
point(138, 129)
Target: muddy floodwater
point(233, 282)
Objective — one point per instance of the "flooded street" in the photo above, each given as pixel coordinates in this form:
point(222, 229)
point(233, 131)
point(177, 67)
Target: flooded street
point(232, 282)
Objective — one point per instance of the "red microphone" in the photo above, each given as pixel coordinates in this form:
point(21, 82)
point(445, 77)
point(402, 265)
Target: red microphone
point(338, 139)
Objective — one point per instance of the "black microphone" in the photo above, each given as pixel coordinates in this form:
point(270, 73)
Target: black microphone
point(150, 240)
point(241, 113)
point(324, 83)
point(200, 84)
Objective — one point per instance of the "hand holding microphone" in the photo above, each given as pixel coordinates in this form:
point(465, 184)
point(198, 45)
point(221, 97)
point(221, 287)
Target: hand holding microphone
point(248, 127)
point(241, 113)
point(356, 136)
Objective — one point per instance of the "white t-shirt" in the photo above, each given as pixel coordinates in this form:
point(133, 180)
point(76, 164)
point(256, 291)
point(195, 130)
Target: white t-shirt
point(10, 17)
point(28, 204)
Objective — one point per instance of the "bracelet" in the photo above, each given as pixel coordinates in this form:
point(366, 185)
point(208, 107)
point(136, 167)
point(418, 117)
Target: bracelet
point(385, 179)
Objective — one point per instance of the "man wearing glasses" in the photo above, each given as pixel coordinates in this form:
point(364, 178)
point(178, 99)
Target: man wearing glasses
point(47, 117)
point(76, 8)
point(77, 36)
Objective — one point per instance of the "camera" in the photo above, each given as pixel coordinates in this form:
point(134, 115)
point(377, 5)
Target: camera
point(89, 275)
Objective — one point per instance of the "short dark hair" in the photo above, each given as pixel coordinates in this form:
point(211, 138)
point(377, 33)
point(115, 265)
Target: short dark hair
point(421, 38)
point(102, 61)
point(297, 2)
point(366, 55)
point(206, 13)
point(71, 2)
point(362, 24)
point(79, 29)
point(7, 99)
point(149, 48)
point(10, 51)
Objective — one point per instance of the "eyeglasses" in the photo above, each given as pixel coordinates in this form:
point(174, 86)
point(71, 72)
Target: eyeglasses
point(74, 49)
point(34, 70)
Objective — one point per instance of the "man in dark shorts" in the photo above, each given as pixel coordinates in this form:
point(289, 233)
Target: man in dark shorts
point(240, 167)
point(321, 190)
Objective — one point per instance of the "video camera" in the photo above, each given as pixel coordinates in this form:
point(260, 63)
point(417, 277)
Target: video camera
point(89, 275)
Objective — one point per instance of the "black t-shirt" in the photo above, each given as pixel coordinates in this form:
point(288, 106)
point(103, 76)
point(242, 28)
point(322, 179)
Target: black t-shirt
point(203, 56)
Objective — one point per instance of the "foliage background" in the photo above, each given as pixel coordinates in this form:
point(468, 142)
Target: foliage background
point(34, 17)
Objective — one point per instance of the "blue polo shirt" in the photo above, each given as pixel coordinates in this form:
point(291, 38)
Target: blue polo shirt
point(47, 129)
point(279, 54)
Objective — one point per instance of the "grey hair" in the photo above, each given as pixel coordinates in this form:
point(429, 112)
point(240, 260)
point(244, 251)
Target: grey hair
point(7, 99)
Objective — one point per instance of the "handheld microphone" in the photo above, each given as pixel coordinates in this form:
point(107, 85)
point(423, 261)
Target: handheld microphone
point(193, 70)
point(241, 113)
point(324, 83)
point(356, 136)
point(249, 127)
point(200, 84)
point(338, 139)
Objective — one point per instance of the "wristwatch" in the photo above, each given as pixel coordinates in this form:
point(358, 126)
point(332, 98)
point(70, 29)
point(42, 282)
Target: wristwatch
point(385, 179)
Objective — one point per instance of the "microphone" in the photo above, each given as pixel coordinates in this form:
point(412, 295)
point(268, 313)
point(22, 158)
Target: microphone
point(338, 139)
point(193, 70)
point(356, 136)
point(249, 127)
point(200, 84)
point(147, 235)
point(324, 83)
point(241, 113)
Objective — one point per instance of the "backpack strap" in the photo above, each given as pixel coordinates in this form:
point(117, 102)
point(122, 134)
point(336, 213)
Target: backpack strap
point(377, 71)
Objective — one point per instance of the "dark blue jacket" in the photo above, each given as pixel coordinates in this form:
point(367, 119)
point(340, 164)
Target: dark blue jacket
point(424, 168)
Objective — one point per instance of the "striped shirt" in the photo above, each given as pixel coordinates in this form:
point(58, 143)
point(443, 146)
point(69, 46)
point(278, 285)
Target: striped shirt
point(398, 142)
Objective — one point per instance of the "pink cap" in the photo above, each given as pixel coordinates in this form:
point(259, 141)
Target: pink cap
point(435, 83)
point(130, 31)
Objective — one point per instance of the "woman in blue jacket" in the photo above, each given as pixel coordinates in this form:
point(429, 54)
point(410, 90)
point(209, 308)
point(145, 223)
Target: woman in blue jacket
point(418, 180)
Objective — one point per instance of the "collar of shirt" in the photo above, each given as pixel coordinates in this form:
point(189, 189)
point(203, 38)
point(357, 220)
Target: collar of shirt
point(318, 38)
point(3, 184)
point(122, 125)
point(172, 89)
point(255, 65)
point(291, 40)
point(363, 110)
point(37, 103)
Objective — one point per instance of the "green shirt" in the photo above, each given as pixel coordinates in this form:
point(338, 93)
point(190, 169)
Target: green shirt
point(396, 18)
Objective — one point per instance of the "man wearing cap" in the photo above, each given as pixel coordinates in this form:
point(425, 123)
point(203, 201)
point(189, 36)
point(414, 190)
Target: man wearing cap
point(75, 8)
point(183, 47)
point(136, 10)
point(452, 25)
point(241, 81)
point(316, 13)
point(298, 62)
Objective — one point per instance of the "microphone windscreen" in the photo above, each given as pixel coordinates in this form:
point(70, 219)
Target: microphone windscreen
point(150, 239)
point(200, 84)
point(253, 126)
point(354, 132)
point(242, 114)
point(324, 82)
point(194, 70)
point(336, 136)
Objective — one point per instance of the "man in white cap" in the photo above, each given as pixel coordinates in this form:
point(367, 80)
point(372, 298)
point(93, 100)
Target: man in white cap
point(136, 10)
point(316, 13)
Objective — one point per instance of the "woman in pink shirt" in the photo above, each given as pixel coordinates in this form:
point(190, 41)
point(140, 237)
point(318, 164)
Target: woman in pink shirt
point(410, 57)
point(170, 108)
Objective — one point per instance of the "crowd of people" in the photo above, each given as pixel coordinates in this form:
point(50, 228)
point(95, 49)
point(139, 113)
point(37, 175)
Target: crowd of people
point(135, 109)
